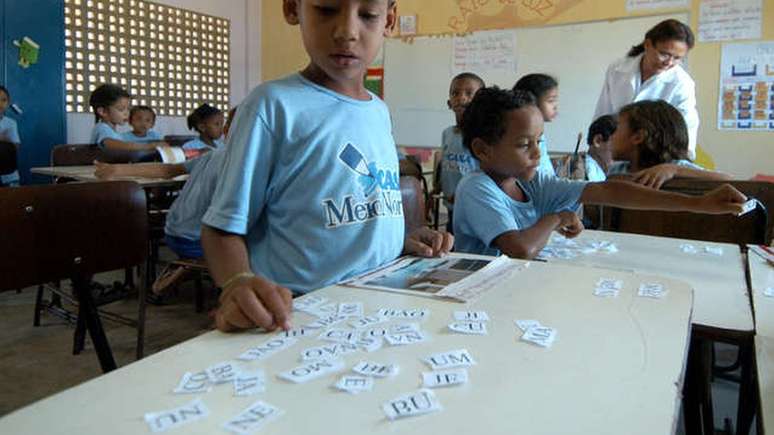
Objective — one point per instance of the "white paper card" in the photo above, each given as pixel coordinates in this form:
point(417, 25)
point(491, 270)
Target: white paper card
point(312, 370)
point(351, 309)
point(329, 351)
point(253, 418)
point(267, 349)
point(222, 372)
point(524, 325)
point(194, 383)
point(652, 290)
point(370, 344)
point(340, 336)
point(326, 321)
point(540, 335)
point(451, 359)
point(376, 370)
point(768, 292)
point(687, 248)
point(415, 314)
point(296, 332)
point(249, 383)
point(406, 337)
point(470, 328)
point(412, 404)
point(725, 20)
point(714, 250)
point(444, 378)
point(367, 321)
point(748, 206)
point(472, 316)
point(309, 303)
point(355, 384)
point(188, 413)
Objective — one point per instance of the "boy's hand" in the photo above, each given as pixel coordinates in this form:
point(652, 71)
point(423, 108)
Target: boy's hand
point(570, 225)
point(656, 176)
point(104, 170)
point(425, 242)
point(724, 199)
point(254, 302)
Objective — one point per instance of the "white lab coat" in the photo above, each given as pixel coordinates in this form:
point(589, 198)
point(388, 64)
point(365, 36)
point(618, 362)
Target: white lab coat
point(675, 86)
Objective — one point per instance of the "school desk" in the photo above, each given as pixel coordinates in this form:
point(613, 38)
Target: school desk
point(762, 282)
point(616, 367)
point(86, 173)
point(764, 347)
point(721, 312)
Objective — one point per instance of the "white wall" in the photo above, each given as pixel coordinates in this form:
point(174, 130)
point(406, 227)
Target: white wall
point(245, 17)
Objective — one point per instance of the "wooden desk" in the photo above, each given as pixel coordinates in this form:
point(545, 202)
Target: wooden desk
point(86, 173)
point(616, 367)
point(762, 277)
point(764, 347)
point(721, 299)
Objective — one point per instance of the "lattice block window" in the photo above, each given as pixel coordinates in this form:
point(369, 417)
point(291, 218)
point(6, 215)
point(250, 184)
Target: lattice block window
point(168, 58)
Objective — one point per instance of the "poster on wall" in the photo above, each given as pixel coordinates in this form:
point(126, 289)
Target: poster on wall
point(493, 50)
point(727, 20)
point(746, 99)
point(639, 5)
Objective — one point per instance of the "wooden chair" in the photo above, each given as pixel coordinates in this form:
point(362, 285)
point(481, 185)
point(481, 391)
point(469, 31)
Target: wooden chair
point(72, 231)
point(8, 162)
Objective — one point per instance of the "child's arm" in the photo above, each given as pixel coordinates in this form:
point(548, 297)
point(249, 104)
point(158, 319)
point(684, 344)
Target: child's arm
point(119, 145)
point(656, 176)
point(623, 194)
point(145, 170)
point(528, 243)
point(247, 300)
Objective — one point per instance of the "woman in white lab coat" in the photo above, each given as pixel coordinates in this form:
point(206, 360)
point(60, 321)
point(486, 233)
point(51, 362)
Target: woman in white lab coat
point(652, 71)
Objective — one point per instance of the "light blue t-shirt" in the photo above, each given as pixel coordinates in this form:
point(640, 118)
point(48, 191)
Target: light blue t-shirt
point(546, 166)
point(9, 133)
point(456, 162)
point(150, 136)
point(623, 167)
point(198, 144)
point(185, 215)
point(311, 179)
point(102, 131)
point(483, 211)
point(594, 172)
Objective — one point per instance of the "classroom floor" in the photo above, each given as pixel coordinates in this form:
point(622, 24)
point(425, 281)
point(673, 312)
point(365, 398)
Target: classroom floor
point(28, 354)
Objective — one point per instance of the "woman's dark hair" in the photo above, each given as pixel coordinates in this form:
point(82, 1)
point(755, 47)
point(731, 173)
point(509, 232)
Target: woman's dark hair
point(667, 30)
point(105, 96)
point(137, 109)
point(665, 136)
point(201, 114)
point(604, 126)
point(536, 84)
point(484, 117)
point(5, 90)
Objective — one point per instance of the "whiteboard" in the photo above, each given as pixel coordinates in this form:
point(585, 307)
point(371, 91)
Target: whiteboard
point(417, 75)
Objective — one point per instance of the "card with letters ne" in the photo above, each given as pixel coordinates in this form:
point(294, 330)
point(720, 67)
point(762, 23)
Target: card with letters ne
point(188, 413)
point(253, 418)
point(412, 404)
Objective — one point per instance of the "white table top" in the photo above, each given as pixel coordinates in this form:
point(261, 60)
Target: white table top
point(616, 367)
point(721, 299)
point(762, 277)
point(764, 348)
point(86, 173)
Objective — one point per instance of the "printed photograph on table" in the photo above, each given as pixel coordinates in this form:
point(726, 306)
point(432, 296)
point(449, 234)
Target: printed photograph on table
point(746, 99)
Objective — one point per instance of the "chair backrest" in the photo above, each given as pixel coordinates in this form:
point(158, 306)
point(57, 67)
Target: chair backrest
point(751, 228)
point(75, 154)
point(413, 197)
point(53, 232)
point(177, 140)
point(8, 162)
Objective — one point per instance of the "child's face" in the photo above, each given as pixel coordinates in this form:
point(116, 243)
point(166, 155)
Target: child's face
point(342, 37)
point(142, 121)
point(624, 141)
point(461, 93)
point(212, 127)
point(4, 102)
point(517, 154)
point(115, 114)
point(664, 55)
point(602, 148)
point(548, 103)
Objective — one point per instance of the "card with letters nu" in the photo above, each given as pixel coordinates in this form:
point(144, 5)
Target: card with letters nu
point(461, 277)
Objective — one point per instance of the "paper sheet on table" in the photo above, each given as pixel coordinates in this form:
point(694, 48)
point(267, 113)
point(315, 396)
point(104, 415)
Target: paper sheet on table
point(171, 154)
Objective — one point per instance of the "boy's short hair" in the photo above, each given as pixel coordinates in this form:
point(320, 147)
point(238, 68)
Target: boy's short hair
point(136, 109)
point(484, 117)
point(604, 126)
point(105, 96)
point(664, 130)
point(536, 84)
point(467, 76)
point(200, 114)
point(5, 90)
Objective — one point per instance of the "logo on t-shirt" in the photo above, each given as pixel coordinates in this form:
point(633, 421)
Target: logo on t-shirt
point(378, 195)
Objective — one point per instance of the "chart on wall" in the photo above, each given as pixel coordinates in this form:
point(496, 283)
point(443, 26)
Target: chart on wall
point(747, 87)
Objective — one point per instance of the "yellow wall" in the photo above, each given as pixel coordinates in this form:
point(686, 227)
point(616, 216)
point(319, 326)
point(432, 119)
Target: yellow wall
point(742, 154)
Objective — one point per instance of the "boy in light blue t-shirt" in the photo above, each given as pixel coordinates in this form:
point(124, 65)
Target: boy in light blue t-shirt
point(456, 160)
point(509, 207)
point(308, 194)
point(142, 119)
point(8, 133)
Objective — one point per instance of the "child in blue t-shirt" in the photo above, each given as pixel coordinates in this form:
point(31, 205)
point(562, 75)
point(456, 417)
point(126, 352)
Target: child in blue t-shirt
point(456, 160)
point(308, 194)
point(651, 143)
point(111, 110)
point(142, 119)
point(545, 90)
point(592, 165)
point(511, 207)
point(208, 122)
point(8, 133)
